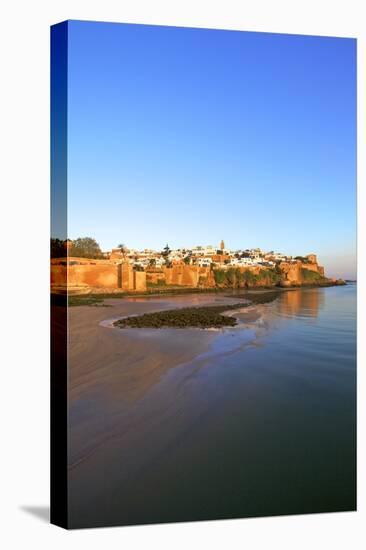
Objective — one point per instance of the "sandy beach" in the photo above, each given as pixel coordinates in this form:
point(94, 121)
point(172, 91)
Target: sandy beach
point(126, 385)
point(140, 356)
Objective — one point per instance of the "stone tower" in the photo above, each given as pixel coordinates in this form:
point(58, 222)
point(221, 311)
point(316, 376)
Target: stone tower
point(222, 245)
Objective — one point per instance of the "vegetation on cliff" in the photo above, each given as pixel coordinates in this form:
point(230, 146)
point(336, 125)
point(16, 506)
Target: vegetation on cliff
point(235, 278)
point(312, 277)
point(268, 278)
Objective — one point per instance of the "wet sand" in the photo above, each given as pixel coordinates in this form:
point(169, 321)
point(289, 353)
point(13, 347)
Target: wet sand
point(126, 386)
point(125, 364)
point(138, 356)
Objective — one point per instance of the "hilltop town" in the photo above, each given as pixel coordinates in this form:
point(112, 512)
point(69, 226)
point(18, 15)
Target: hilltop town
point(202, 256)
point(82, 266)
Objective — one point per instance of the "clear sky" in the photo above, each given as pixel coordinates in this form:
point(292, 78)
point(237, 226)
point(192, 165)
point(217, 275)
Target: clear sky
point(190, 136)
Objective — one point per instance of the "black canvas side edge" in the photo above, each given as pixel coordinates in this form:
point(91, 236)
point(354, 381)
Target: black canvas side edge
point(58, 302)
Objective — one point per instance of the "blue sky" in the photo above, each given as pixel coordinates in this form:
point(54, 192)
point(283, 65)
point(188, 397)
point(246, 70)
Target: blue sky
point(190, 136)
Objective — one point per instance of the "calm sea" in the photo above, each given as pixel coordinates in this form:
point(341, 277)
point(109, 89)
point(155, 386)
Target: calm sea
point(262, 424)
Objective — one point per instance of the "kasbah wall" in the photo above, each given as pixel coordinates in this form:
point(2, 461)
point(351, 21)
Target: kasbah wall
point(292, 272)
point(189, 275)
point(81, 274)
point(186, 275)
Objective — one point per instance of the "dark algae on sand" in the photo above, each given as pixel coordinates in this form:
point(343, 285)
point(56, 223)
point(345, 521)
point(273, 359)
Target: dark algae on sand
point(191, 317)
point(201, 317)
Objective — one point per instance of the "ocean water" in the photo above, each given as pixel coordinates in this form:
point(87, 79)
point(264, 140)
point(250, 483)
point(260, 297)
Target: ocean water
point(264, 423)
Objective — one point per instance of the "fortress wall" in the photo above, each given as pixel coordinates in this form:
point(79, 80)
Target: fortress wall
point(82, 272)
point(291, 273)
point(126, 277)
point(96, 274)
point(103, 276)
point(313, 267)
point(183, 275)
point(155, 277)
point(58, 275)
point(205, 277)
point(139, 281)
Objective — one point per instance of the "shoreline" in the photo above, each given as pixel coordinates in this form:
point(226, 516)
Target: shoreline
point(97, 296)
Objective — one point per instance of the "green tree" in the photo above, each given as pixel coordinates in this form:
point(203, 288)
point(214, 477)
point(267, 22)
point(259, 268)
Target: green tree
point(85, 247)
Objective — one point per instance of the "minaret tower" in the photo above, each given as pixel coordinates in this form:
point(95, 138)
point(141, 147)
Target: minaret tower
point(222, 245)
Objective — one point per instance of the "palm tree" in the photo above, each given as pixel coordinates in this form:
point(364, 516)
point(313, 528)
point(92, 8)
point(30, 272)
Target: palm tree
point(123, 249)
point(166, 251)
